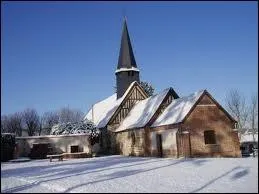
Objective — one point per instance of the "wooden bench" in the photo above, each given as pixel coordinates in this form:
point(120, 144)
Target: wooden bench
point(59, 156)
point(69, 155)
point(77, 155)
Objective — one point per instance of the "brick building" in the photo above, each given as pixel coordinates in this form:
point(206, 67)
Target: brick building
point(163, 125)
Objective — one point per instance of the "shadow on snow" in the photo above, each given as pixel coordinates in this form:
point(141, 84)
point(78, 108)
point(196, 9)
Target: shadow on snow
point(62, 170)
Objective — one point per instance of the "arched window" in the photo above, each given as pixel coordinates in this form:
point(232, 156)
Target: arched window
point(209, 137)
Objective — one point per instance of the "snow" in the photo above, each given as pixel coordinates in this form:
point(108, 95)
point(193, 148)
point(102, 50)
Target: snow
point(99, 108)
point(248, 137)
point(104, 110)
point(177, 109)
point(127, 69)
point(142, 112)
point(86, 127)
point(132, 174)
point(21, 159)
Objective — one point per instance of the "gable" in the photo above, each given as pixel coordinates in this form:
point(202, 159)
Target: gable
point(102, 112)
point(206, 101)
point(177, 110)
point(171, 95)
point(135, 94)
point(143, 111)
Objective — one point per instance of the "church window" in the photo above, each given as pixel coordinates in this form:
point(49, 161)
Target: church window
point(209, 137)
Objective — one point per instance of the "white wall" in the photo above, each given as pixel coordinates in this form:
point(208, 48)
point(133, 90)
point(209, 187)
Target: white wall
point(168, 139)
point(61, 142)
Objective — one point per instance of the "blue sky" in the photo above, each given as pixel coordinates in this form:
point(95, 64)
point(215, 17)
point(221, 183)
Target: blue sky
point(57, 54)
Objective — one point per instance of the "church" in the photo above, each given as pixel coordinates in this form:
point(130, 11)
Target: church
point(162, 125)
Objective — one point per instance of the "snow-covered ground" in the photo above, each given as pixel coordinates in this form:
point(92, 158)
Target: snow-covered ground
point(131, 174)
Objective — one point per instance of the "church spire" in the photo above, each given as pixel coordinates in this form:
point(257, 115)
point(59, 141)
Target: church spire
point(126, 58)
point(127, 71)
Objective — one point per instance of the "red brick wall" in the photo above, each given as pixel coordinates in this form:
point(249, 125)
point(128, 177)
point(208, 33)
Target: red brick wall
point(211, 118)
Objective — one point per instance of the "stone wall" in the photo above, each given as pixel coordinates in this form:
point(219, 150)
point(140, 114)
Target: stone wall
point(130, 142)
point(60, 143)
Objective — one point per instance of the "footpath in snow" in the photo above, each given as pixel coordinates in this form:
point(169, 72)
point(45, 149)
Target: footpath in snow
point(131, 174)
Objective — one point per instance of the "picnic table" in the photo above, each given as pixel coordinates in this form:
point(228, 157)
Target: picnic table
point(69, 155)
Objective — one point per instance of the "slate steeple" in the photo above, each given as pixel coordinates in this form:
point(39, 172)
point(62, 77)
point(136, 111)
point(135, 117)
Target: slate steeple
point(126, 58)
point(127, 71)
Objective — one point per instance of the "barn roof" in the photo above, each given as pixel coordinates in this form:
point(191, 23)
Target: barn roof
point(142, 112)
point(177, 109)
point(103, 110)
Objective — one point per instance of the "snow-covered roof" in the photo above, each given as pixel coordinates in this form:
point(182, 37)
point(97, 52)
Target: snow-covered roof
point(99, 108)
point(104, 109)
point(142, 112)
point(127, 69)
point(177, 109)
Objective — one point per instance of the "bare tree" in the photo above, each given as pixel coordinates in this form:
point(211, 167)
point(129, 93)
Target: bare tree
point(12, 123)
point(70, 115)
point(236, 105)
point(4, 124)
point(253, 115)
point(147, 87)
point(31, 120)
point(41, 123)
point(48, 119)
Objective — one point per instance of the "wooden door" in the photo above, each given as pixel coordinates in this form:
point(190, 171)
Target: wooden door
point(186, 145)
point(159, 145)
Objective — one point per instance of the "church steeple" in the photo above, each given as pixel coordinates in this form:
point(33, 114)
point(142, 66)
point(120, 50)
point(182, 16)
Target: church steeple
point(127, 71)
point(126, 58)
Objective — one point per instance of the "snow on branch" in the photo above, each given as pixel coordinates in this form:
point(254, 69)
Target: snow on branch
point(86, 127)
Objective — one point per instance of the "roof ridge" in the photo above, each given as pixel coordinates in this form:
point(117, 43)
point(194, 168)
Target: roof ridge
point(192, 94)
point(161, 92)
point(105, 98)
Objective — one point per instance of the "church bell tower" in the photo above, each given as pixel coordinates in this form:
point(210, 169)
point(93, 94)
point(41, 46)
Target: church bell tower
point(127, 71)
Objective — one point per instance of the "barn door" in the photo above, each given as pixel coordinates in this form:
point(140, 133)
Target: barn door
point(159, 145)
point(183, 145)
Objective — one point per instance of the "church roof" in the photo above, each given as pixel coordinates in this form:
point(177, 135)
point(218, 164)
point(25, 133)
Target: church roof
point(126, 58)
point(99, 108)
point(177, 109)
point(142, 112)
point(104, 110)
